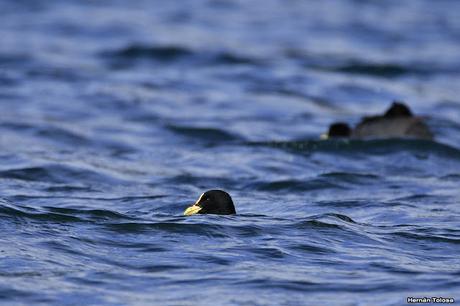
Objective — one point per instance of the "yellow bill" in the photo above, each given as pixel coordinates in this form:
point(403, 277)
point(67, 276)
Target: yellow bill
point(194, 209)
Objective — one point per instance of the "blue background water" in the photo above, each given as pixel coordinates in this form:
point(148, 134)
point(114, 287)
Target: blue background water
point(116, 115)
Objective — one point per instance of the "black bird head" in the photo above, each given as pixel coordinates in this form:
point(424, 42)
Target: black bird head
point(339, 129)
point(216, 202)
point(398, 109)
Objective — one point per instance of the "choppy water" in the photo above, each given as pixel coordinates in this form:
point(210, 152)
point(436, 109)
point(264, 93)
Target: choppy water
point(116, 115)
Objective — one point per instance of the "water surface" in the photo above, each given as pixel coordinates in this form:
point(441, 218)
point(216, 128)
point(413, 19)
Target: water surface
point(115, 116)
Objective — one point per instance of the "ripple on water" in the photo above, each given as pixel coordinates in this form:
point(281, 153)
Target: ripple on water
point(56, 173)
point(133, 54)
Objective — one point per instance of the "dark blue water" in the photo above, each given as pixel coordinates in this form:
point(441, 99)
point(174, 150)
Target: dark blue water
point(116, 115)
